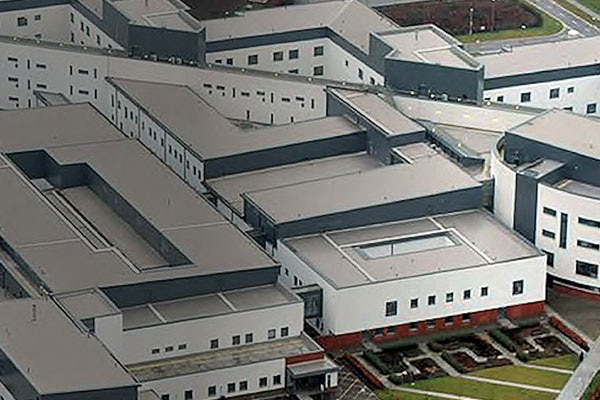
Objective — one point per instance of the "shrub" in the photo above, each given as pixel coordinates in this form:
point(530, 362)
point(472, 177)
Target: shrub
point(527, 322)
point(435, 346)
point(504, 340)
point(454, 363)
point(398, 379)
point(521, 355)
point(399, 346)
point(377, 363)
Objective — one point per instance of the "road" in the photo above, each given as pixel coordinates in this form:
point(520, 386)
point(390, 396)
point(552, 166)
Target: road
point(571, 21)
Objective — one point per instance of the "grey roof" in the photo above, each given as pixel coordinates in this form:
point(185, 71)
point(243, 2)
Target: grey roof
point(350, 19)
point(59, 254)
point(207, 306)
point(231, 187)
point(225, 358)
point(378, 111)
point(542, 57)
point(87, 304)
point(480, 241)
point(579, 188)
point(563, 129)
point(36, 347)
point(361, 190)
point(168, 14)
point(209, 134)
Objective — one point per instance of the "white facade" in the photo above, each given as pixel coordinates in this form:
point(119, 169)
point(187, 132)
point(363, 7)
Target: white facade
point(361, 308)
point(504, 189)
point(576, 94)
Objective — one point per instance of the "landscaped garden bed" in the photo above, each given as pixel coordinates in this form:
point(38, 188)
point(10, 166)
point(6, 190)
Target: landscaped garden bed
point(469, 341)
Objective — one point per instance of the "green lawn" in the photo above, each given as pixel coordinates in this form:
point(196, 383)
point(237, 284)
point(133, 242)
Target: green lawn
point(398, 394)
point(594, 5)
point(591, 389)
point(480, 390)
point(524, 375)
point(577, 11)
point(568, 361)
point(550, 26)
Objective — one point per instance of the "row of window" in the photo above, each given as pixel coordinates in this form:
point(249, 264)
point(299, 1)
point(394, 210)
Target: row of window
point(38, 85)
point(581, 267)
point(16, 63)
point(554, 93)
point(391, 307)
point(241, 386)
point(429, 324)
point(24, 21)
point(278, 56)
point(169, 349)
point(249, 337)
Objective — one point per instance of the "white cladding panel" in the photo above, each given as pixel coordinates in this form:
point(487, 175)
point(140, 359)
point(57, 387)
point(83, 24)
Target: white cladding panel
point(504, 189)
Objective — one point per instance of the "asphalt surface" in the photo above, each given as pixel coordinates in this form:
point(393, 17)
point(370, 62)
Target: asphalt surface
point(575, 27)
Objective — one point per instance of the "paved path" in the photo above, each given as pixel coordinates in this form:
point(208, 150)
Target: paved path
point(436, 394)
point(513, 384)
point(583, 375)
point(587, 10)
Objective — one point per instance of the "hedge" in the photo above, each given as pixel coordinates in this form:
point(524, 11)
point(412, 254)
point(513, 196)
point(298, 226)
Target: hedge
point(454, 363)
point(374, 359)
point(435, 346)
point(504, 340)
point(399, 346)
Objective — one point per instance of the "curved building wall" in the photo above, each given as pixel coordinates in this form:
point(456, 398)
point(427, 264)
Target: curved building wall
point(504, 188)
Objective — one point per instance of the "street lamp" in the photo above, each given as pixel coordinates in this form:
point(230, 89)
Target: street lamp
point(492, 19)
point(471, 21)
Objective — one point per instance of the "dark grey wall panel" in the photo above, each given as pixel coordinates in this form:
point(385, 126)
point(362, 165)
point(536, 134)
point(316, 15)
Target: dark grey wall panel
point(525, 215)
point(16, 5)
point(14, 380)
point(266, 40)
point(378, 49)
point(542, 76)
point(166, 43)
point(124, 393)
point(115, 24)
point(171, 289)
point(294, 153)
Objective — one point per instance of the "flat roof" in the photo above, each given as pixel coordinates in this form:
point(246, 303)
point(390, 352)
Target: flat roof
point(542, 57)
point(378, 111)
point(183, 217)
point(87, 304)
point(428, 44)
point(157, 13)
point(37, 345)
point(563, 129)
point(209, 134)
point(475, 239)
point(224, 358)
point(361, 190)
point(350, 19)
point(580, 188)
point(207, 306)
point(231, 187)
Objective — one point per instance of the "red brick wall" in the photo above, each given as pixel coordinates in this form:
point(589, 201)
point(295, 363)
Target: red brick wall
point(576, 292)
point(333, 342)
point(304, 358)
point(525, 310)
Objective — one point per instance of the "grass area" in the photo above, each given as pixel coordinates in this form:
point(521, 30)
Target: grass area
point(568, 361)
point(398, 394)
point(524, 375)
point(593, 5)
point(480, 390)
point(592, 388)
point(550, 26)
point(578, 11)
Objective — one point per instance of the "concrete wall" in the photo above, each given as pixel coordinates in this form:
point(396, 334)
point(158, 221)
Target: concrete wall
point(504, 189)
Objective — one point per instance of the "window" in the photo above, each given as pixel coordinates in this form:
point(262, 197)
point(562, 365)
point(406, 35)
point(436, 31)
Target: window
point(294, 71)
point(372, 81)
point(218, 61)
point(318, 51)
point(549, 211)
point(168, 349)
point(525, 97)
point(517, 287)
point(589, 222)
point(182, 346)
point(21, 21)
point(243, 385)
point(564, 223)
point(83, 71)
point(155, 351)
point(293, 54)
point(548, 234)
point(318, 70)
point(72, 17)
point(277, 380)
point(235, 340)
point(253, 59)
point(549, 258)
point(554, 93)
point(449, 297)
point(466, 318)
point(229, 61)
point(591, 108)
point(212, 391)
point(164, 397)
point(571, 89)
point(449, 321)
point(570, 108)
point(586, 269)
point(414, 326)
point(414, 303)
point(391, 308)
point(98, 42)
point(271, 333)
point(214, 343)
point(87, 30)
point(466, 294)
point(278, 56)
point(361, 74)
point(485, 291)
point(249, 338)
point(430, 323)
point(431, 300)
point(230, 387)
point(406, 245)
point(81, 26)
point(188, 395)
point(500, 99)
point(262, 382)
point(285, 331)
point(588, 245)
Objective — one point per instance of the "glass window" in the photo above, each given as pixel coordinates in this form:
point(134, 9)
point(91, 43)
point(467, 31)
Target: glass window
point(285, 331)
point(586, 269)
point(466, 294)
point(549, 258)
point(485, 291)
point(214, 343)
point(164, 397)
point(589, 222)
point(430, 323)
point(188, 394)
point(588, 245)
point(466, 317)
point(229, 61)
point(564, 225)
point(571, 89)
point(414, 326)
point(525, 97)
point(212, 391)
point(431, 300)
point(591, 108)
point(449, 320)
point(230, 387)
point(271, 333)
point(293, 54)
point(318, 70)
point(549, 211)
point(414, 303)
point(182, 346)
point(391, 308)
point(500, 99)
point(235, 340)
point(22, 21)
point(253, 59)
point(518, 287)
point(318, 51)
point(249, 338)
point(449, 297)
point(243, 385)
point(278, 56)
point(262, 382)
point(554, 93)
point(277, 380)
point(407, 245)
point(548, 234)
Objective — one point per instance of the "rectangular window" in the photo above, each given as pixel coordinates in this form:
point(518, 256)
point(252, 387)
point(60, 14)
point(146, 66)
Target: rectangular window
point(554, 93)
point(271, 333)
point(294, 54)
point(449, 321)
point(525, 97)
point(549, 258)
point(41, 86)
point(212, 391)
point(361, 73)
point(285, 331)
point(431, 300)
point(21, 21)
point(500, 99)
point(262, 382)
point(518, 287)
point(318, 51)
point(83, 71)
point(318, 70)
point(182, 346)
point(588, 245)
point(571, 89)
point(414, 303)
point(278, 56)
point(243, 385)
point(466, 318)
point(586, 269)
point(249, 338)
point(168, 349)
point(548, 234)
point(570, 108)
point(414, 326)
point(589, 222)
point(549, 211)
point(430, 323)
point(449, 297)
point(466, 294)
point(235, 340)
point(231, 387)
point(391, 308)
point(277, 380)
point(229, 61)
point(165, 397)
point(188, 395)
point(253, 59)
point(40, 66)
point(564, 223)
point(294, 71)
point(155, 351)
point(485, 291)
point(413, 244)
point(214, 343)
point(591, 108)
